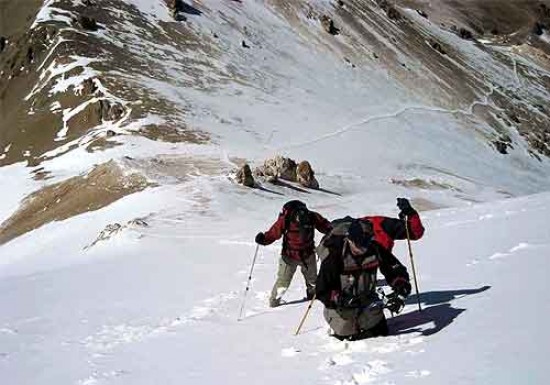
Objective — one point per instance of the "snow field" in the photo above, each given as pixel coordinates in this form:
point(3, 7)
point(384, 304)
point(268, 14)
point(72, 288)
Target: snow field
point(160, 303)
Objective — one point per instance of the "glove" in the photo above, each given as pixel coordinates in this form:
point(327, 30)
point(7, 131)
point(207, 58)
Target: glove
point(260, 238)
point(395, 303)
point(402, 287)
point(341, 301)
point(405, 206)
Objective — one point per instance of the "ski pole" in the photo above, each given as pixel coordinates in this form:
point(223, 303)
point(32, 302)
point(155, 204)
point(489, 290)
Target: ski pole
point(305, 315)
point(412, 262)
point(248, 283)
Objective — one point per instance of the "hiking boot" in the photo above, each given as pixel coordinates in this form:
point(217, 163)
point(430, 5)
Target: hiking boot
point(274, 302)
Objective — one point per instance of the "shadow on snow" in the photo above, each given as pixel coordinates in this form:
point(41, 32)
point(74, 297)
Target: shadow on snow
point(441, 313)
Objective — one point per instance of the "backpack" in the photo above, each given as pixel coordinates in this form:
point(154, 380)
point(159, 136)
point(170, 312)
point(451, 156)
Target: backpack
point(358, 276)
point(340, 229)
point(297, 212)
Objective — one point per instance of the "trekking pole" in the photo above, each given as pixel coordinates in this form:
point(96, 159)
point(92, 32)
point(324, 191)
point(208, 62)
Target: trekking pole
point(305, 315)
point(412, 262)
point(248, 283)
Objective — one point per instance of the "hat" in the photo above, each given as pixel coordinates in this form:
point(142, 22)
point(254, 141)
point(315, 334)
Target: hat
point(356, 234)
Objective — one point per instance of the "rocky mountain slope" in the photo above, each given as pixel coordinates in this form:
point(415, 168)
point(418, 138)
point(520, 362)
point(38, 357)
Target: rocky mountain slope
point(450, 96)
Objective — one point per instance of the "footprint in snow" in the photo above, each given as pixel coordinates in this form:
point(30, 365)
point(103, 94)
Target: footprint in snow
point(486, 216)
point(290, 352)
point(341, 359)
point(473, 262)
point(370, 373)
point(418, 373)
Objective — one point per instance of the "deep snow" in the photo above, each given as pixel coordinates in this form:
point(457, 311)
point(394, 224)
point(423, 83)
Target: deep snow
point(160, 304)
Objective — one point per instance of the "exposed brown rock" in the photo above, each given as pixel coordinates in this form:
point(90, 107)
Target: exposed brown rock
point(110, 110)
point(177, 7)
point(104, 185)
point(328, 25)
point(89, 87)
point(465, 34)
point(306, 176)
point(437, 46)
point(244, 176)
point(88, 23)
point(383, 4)
point(501, 147)
point(538, 29)
point(393, 13)
point(279, 167)
point(422, 13)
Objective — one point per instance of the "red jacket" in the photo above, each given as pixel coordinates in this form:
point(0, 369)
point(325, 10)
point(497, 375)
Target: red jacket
point(386, 229)
point(293, 246)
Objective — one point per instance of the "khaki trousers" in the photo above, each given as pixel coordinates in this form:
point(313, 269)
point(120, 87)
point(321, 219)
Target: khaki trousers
point(286, 271)
point(348, 322)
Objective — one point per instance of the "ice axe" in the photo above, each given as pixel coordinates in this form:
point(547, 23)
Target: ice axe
point(412, 262)
point(248, 283)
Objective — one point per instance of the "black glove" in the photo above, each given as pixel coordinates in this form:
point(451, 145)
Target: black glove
point(348, 302)
point(339, 300)
point(394, 303)
point(260, 238)
point(402, 287)
point(405, 206)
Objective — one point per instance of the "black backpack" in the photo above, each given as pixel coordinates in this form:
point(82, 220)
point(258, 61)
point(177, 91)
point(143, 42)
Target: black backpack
point(297, 212)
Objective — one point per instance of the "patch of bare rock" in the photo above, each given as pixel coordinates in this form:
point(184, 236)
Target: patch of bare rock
point(105, 184)
point(278, 168)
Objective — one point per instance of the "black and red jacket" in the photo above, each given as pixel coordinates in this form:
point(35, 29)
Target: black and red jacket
point(294, 247)
point(328, 286)
point(386, 229)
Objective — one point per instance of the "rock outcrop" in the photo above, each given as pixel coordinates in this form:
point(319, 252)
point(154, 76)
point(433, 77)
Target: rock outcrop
point(328, 25)
point(278, 167)
point(306, 176)
point(287, 169)
point(244, 176)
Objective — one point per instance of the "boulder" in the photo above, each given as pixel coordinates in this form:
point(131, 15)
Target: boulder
point(393, 13)
point(422, 13)
point(280, 167)
point(501, 147)
point(89, 87)
point(244, 176)
point(110, 110)
point(306, 176)
point(465, 34)
point(538, 29)
point(88, 23)
point(328, 25)
point(3, 42)
point(437, 46)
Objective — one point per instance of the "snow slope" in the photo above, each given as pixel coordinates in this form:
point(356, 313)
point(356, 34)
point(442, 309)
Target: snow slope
point(159, 304)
